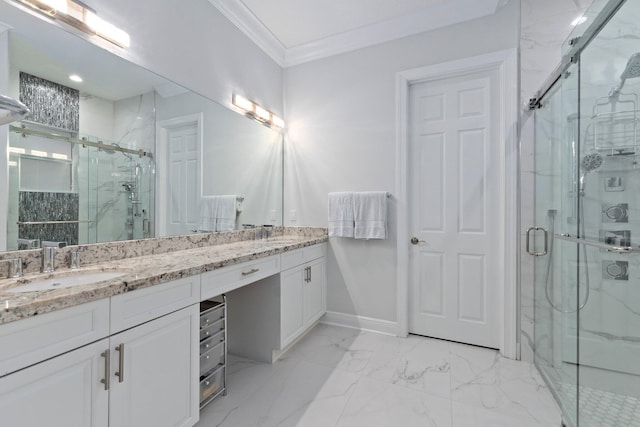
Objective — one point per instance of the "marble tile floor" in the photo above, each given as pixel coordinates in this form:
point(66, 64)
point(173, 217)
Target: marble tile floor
point(602, 408)
point(342, 377)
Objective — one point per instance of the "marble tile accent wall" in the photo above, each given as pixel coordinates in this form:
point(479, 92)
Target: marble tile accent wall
point(40, 206)
point(545, 25)
point(50, 103)
point(112, 251)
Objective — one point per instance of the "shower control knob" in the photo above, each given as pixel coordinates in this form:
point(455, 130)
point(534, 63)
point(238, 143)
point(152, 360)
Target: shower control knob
point(415, 241)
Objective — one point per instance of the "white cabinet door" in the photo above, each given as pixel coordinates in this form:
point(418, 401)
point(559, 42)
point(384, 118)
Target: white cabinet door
point(156, 381)
point(291, 297)
point(61, 392)
point(314, 292)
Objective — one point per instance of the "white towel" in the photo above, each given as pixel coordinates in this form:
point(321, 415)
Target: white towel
point(370, 212)
point(341, 214)
point(208, 208)
point(226, 213)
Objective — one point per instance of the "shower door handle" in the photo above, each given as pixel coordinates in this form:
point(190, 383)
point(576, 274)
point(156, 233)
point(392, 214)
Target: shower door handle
point(546, 241)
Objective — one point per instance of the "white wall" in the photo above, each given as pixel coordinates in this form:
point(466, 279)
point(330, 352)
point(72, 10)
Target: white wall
point(341, 136)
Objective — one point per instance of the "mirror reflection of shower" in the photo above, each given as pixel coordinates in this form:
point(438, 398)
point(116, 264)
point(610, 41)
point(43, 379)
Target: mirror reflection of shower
point(76, 189)
point(137, 219)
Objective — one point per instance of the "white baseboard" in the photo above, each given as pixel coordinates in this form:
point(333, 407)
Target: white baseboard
point(363, 323)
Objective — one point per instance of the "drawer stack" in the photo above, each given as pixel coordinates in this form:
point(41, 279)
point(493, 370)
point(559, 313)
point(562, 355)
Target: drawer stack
point(213, 349)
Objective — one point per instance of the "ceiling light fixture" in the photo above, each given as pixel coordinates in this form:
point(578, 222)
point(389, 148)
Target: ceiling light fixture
point(256, 112)
point(76, 78)
point(80, 16)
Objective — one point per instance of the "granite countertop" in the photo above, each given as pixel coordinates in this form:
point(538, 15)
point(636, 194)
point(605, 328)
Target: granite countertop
point(139, 272)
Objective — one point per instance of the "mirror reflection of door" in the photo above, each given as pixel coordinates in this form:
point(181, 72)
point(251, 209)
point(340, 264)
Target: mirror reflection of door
point(182, 184)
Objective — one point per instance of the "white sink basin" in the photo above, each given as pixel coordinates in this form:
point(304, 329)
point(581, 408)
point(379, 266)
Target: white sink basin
point(67, 281)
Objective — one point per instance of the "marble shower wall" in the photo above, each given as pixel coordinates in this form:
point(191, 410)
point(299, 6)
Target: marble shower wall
point(545, 25)
point(117, 181)
point(610, 321)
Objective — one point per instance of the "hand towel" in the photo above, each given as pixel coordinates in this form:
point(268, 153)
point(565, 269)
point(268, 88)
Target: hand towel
point(341, 215)
point(226, 213)
point(370, 212)
point(207, 219)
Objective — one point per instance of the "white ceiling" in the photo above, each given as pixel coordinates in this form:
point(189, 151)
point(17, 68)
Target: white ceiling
point(297, 31)
point(296, 22)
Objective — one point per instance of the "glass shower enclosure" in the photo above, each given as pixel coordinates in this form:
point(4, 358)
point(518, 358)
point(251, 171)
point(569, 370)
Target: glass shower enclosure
point(586, 241)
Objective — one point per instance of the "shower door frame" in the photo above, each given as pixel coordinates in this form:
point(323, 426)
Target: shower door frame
point(507, 61)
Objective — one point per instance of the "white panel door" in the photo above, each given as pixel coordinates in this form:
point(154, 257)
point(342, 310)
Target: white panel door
point(61, 392)
point(454, 191)
point(183, 184)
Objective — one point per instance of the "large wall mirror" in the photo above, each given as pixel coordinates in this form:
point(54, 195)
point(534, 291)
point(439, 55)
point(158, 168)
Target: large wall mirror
point(124, 154)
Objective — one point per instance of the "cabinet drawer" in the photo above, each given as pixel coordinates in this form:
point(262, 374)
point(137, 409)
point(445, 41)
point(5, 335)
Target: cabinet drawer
point(212, 330)
point(211, 342)
point(212, 384)
point(139, 306)
point(210, 316)
point(300, 256)
point(28, 341)
point(229, 278)
point(212, 358)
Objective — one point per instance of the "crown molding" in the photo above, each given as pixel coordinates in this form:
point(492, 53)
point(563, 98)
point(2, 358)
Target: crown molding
point(240, 16)
point(439, 16)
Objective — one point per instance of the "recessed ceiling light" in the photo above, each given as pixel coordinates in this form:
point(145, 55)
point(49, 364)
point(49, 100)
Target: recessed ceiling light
point(578, 21)
point(75, 78)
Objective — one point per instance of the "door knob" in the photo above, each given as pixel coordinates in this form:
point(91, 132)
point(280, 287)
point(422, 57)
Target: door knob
point(415, 241)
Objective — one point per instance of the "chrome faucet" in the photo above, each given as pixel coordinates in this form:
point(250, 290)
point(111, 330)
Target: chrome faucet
point(15, 265)
point(74, 259)
point(48, 259)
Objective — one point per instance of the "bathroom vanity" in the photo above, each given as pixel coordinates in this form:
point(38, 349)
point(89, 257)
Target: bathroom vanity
point(126, 351)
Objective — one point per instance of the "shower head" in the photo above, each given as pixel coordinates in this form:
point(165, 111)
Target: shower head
point(591, 162)
point(631, 71)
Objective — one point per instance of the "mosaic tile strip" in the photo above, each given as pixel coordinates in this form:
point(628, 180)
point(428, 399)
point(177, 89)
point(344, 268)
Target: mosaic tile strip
point(50, 103)
point(41, 206)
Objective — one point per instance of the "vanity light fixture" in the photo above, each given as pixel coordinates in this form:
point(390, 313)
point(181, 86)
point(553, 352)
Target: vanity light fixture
point(258, 113)
point(579, 20)
point(242, 103)
point(262, 114)
point(76, 78)
point(80, 16)
point(277, 121)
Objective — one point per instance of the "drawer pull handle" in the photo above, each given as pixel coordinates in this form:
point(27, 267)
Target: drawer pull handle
point(206, 320)
point(107, 369)
point(206, 346)
point(207, 357)
point(120, 373)
point(207, 383)
point(253, 270)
